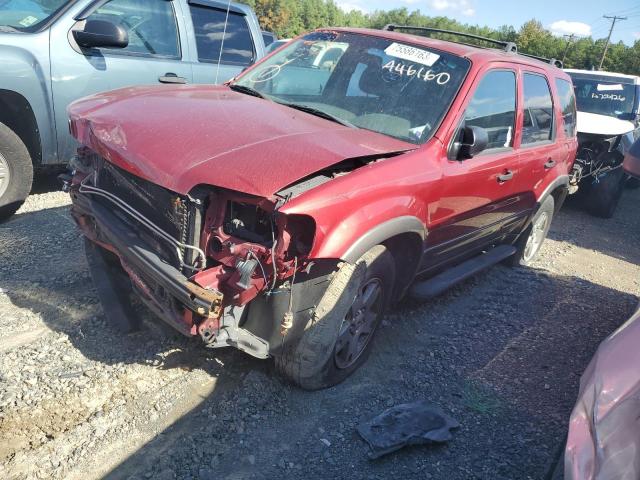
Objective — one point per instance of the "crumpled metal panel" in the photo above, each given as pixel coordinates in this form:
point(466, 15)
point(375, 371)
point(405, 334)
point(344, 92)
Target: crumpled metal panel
point(181, 137)
point(604, 430)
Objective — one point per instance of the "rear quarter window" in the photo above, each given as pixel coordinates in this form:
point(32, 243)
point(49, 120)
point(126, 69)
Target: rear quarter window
point(567, 100)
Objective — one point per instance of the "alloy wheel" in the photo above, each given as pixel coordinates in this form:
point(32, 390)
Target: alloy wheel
point(358, 325)
point(536, 236)
point(5, 175)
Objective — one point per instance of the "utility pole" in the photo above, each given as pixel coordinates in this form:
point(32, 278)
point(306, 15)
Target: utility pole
point(566, 50)
point(613, 19)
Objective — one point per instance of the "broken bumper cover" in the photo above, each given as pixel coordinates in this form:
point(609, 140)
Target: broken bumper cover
point(144, 266)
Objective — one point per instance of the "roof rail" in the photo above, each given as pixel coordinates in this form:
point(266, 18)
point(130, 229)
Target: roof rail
point(506, 46)
point(553, 61)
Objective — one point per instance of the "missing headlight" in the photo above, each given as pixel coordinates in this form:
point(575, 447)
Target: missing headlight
point(248, 222)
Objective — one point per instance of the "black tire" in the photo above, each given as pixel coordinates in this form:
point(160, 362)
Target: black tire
point(530, 241)
point(604, 196)
point(320, 358)
point(17, 162)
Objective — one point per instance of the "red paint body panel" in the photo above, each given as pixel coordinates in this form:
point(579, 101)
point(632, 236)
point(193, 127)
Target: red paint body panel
point(184, 136)
point(181, 137)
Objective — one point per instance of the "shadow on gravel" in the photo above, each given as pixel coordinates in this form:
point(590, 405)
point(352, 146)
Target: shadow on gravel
point(508, 373)
point(47, 181)
point(610, 236)
point(501, 353)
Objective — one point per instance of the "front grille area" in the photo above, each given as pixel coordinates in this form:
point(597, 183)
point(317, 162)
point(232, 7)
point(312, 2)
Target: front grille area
point(168, 210)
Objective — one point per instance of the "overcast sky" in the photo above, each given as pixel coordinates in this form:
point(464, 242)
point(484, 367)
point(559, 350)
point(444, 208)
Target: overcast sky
point(582, 17)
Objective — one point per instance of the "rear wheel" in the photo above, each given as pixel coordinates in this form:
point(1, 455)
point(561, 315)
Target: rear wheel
point(531, 240)
point(16, 172)
point(338, 340)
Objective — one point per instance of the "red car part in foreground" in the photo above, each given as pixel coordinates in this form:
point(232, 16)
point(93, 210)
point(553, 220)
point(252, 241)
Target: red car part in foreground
point(284, 212)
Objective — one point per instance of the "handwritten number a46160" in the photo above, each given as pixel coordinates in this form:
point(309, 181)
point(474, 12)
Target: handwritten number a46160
point(441, 78)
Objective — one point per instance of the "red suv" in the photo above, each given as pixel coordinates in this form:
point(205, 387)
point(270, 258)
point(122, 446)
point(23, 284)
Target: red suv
point(284, 212)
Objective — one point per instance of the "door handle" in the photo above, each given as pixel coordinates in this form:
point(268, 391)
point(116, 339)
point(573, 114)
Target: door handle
point(550, 164)
point(171, 78)
point(505, 177)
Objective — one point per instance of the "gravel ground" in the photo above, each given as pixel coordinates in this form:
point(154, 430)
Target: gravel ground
point(501, 353)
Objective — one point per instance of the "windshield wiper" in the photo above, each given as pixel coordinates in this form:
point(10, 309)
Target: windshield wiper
point(9, 29)
point(248, 90)
point(319, 113)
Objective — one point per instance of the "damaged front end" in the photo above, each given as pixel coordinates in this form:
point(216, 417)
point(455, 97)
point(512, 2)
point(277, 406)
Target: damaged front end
point(225, 266)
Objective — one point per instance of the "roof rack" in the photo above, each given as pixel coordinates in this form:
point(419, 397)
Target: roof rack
point(509, 47)
point(506, 46)
point(553, 61)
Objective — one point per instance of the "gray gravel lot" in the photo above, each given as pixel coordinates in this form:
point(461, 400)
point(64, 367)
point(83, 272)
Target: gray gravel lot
point(502, 354)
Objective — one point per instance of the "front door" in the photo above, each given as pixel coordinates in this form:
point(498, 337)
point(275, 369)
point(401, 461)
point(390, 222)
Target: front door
point(153, 54)
point(478, 194)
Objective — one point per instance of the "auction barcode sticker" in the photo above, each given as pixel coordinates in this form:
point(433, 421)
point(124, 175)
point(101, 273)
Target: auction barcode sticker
point(412, 54)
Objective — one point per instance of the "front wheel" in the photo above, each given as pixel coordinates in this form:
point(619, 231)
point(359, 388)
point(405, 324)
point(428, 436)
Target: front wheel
point(338, 339)
point(16, 172)
point(531, 240)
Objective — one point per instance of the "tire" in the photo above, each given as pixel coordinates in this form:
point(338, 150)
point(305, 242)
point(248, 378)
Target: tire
point(16, 172)
point(321, 357)
point(530, 241)
point(604, 196)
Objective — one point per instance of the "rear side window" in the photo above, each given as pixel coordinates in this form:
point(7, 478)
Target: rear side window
point(151, 26)
point(493, 107)
point(568, 105)
point(209, 26)
point(538, 110)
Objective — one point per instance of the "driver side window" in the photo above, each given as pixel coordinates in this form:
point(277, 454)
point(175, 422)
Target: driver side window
point(151, 25)
point(493, 107)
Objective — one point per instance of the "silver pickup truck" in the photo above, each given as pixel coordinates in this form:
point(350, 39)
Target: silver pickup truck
point(53, 52)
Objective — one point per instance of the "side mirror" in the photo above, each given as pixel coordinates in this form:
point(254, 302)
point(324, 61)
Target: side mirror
point(101, 34)
point(474, 140)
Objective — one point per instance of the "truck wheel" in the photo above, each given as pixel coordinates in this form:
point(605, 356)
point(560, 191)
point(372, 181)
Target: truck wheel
point(529, 243)
point(604, 196)
point(338, 339)
point(16, 172)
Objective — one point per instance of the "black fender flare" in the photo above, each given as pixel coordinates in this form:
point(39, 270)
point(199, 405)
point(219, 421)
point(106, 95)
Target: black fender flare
point(562, 182)
point(383, 232)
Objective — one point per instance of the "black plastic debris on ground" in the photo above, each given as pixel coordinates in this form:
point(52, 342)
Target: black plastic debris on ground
point(407, 424)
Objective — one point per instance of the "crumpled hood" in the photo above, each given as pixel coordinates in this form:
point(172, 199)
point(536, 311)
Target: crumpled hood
point(183, 136)
point(593, 123)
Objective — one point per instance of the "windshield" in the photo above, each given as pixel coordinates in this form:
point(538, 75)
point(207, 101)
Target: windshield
point(392, 88)
point(604, 95)
point(27, 15)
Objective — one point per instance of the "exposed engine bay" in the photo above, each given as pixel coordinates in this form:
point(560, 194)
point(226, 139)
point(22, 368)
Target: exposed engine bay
point(198, 260)
point(597, 156)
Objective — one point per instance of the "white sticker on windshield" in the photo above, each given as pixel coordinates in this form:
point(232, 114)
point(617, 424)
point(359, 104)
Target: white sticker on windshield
point(603, 87)
point(28, 21)
point(412, 54)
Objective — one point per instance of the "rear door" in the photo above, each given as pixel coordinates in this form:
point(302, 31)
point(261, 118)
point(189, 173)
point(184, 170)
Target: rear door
point(479, 196)
point(155, 51)
point(543, 150)
point(222, 40)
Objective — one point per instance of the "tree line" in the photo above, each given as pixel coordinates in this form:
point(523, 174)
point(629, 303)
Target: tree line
point(288, 18)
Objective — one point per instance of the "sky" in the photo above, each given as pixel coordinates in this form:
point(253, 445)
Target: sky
point(582, 17)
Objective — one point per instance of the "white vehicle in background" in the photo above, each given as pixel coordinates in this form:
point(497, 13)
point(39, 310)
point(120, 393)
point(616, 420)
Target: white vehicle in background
point(607, 123)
